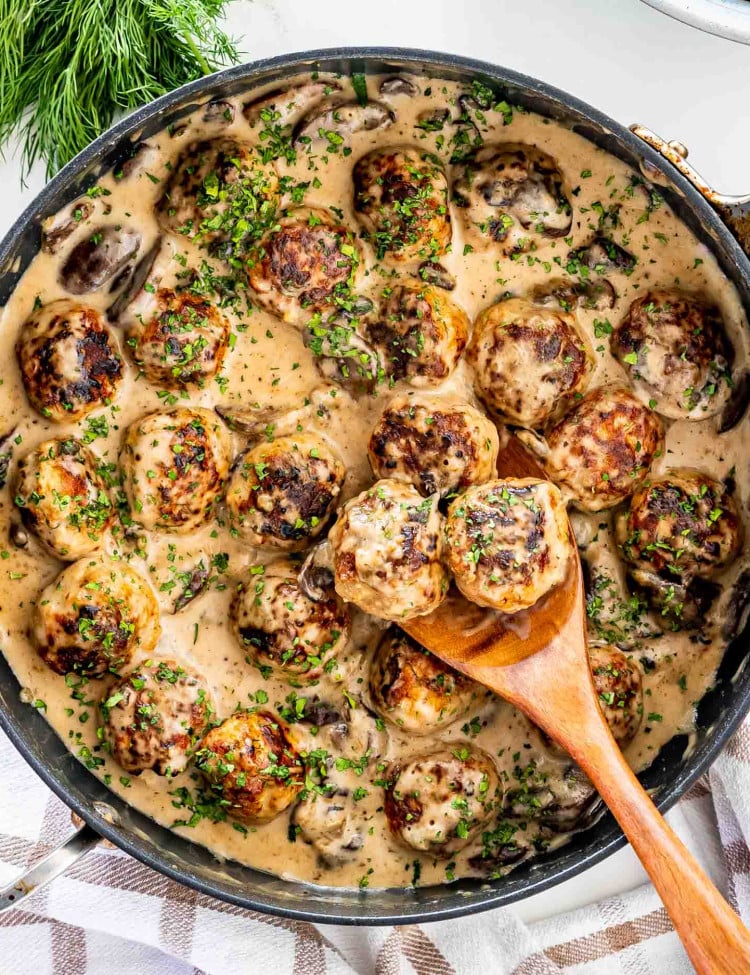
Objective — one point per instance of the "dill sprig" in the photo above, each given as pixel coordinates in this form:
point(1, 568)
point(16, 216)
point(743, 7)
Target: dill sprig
point(69, 67)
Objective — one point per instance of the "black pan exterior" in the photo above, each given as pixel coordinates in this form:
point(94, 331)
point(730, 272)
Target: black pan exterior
point(719, 713)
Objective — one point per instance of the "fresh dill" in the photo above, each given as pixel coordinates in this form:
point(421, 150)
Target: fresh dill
point(69, 67)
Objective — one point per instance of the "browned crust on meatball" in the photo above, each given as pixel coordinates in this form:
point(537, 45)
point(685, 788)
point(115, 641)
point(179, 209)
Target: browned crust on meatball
point(289, 631)
point(214, 184)
point(675, 349)
point(416, 690)
point(681, 525)
point(50, 390)
point(252, 766)
point(284, 492)
point(437, 444)
point(154, 716)
point(528, 361)
point(603, 448)
point(617, 681)
point(419, 332)
point(80, 507)
point(184, 342)
point(302, 263)
point(401, 195)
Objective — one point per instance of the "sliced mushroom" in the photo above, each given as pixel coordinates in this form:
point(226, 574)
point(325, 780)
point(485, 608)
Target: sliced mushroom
point(737, 403)
point(316, 575)
point(603, 255)
point(435, 274)
point(6, 455)
point(432, 119)
point(255, 422)
point(284, 106)
point(195, 584)
point(324, 126)
point(57, 228)
point(398, 85)
point(321, 713)
point(98, 259)
point(18, 535)
point(597, 295)
point(676, 605)
point(134, 278)
point(219, 112)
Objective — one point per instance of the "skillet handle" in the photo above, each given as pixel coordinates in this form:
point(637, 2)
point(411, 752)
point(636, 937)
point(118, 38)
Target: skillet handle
point(51, 866)
point(734, 210)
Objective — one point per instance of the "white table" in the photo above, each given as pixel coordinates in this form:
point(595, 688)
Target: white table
point(619, 55)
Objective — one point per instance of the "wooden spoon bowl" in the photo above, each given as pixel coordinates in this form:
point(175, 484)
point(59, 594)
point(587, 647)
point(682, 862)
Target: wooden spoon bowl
point(538, 660)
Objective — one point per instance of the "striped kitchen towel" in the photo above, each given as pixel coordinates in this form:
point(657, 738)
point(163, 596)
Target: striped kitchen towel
point(113, 916)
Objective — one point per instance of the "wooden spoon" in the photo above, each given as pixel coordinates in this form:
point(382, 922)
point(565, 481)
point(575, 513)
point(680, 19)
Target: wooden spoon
point(538, 660)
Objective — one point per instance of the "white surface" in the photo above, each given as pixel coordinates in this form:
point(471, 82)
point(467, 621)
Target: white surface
point(621, 56)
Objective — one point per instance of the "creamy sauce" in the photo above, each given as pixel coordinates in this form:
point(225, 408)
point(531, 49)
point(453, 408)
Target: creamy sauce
point(269, 365)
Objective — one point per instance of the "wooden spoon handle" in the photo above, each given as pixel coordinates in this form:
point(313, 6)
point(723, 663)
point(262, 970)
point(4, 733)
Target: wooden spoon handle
point(715, 939)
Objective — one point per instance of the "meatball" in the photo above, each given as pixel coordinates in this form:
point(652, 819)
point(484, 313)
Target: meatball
point(528, 361)
point(438, 443)
point(329, 823)
point(219, 193)
point(602, 450)
point(279, 625)
point(676, 353)
point(252, 766)
point(559, 805)
point(303, 264)
point(508, 542)
point(154, 717)
point(512, 195)
point(419, 333)
point(680, 525)
point(69, 361)
point(63, 498)
point(415, 690)
point(438, 803)
point(282, 493)
point(93, 617)
point(617, 681)
point(401, 199)
point(174, 466)
point(178, 339)
point(387, 548)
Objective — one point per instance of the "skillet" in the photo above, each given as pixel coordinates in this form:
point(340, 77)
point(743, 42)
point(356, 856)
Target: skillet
point(676, 767)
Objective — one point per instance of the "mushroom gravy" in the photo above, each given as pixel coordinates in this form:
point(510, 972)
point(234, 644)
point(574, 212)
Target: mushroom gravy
point(270, 384)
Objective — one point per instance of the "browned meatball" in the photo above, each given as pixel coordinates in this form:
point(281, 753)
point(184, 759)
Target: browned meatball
point(438, 803)
point(417, 691)
point(154, 716)
point(512, 195)
point(63, 498)
point(69, 361)
point(178, 339)
point(419, 333)
point(528, 361)
point(559, 805)
point(175, 465)
point(331, 823)
point(219, 192)
point(252, 766)
point(283, 493)
point(617, 681)
point(401, 198)
point(680, 525)
point(280, 626)
point(602, 450)
point(507, 542)
point(303, 264)
point(677, 354)
point(438, 443)
point(93, 617)
point(387, 547)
